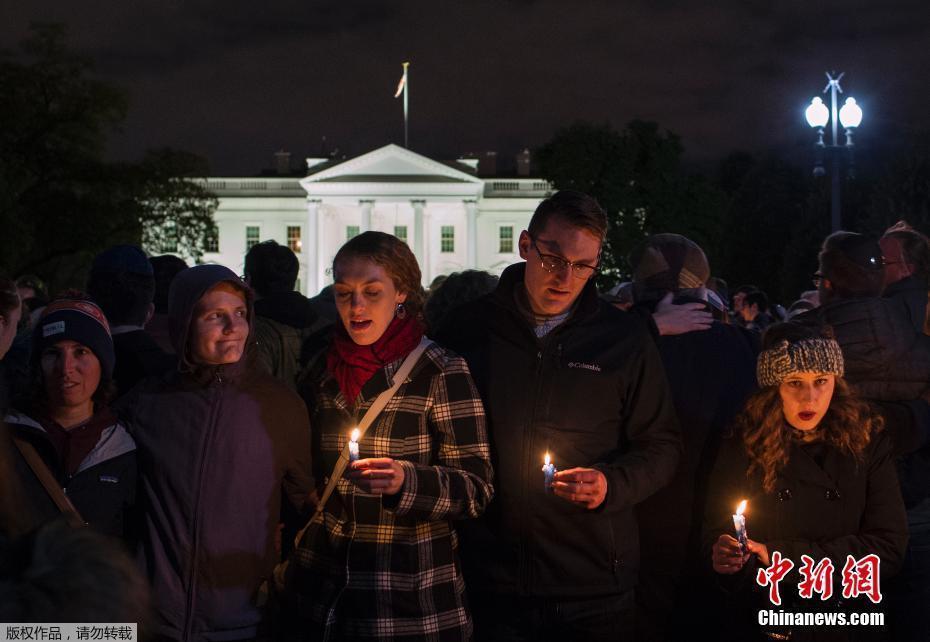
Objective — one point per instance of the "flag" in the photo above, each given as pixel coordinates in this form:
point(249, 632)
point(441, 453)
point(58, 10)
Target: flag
point(401, 85)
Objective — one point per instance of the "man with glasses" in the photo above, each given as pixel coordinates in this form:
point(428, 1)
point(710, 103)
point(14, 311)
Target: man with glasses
point(907, 269)
point(562, 373)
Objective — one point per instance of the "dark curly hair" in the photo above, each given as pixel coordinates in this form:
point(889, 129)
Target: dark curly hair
point(848, 424)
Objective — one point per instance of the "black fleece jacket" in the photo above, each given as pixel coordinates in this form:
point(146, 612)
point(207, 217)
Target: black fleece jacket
point(593, 394)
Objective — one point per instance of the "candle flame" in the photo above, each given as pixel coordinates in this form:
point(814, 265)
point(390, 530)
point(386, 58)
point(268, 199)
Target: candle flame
point(547, 459)
point(741, 508)
point(355, 434)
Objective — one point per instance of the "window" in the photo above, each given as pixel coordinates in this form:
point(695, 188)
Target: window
point(212, 241)
point(293, 238)
point(505, 239)
point(352, 231)
point(400, 231)
point(447, 238)
point(252, 236)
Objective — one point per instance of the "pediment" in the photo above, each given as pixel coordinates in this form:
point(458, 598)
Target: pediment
point(391, 164)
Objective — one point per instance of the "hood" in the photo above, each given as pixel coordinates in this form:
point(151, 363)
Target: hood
point(186, 290)
point(290, 308)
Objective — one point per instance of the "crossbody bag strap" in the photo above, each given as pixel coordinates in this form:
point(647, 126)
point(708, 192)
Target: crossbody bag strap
point(370, 415)
point(48, 481)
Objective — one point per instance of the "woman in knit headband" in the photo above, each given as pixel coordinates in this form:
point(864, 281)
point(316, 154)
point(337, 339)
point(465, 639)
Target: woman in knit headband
point(819, 477)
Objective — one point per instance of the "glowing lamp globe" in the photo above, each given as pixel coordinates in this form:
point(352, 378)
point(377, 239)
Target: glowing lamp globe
point(850, 114)
point(817, 113)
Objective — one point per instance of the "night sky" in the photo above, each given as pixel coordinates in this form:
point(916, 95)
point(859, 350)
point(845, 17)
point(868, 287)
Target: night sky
point(236, 80)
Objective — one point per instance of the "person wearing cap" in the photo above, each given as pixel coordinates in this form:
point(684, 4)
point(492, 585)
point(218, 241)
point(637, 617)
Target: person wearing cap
point(710, 372)
point(564, 372)
point(67, 421)
point(220, 442)
point(818, 472)
point(122, 283)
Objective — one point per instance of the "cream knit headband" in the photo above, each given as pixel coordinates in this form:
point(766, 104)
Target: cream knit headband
point(810, 355)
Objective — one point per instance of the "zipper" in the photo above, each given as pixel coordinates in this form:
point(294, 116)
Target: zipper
point(614, 559)
point(528, 430)
point(195, 530)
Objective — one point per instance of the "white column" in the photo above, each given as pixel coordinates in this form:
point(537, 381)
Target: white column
point(311, 247)
point(426, 267)
point(418, 242)
point(471, 214)
point(366, 205)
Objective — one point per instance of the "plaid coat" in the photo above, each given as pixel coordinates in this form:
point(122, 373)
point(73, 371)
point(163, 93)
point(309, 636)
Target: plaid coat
point(387, 567)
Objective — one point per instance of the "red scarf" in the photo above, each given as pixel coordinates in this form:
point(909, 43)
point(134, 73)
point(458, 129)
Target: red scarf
point(353, 365)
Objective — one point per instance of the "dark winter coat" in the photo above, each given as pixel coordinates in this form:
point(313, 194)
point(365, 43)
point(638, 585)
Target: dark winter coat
point(103, 489)
point(912, 291)
point(137, 356)
point(885, 357)
point(216, 446)
point(593, 394)
point(386, 567)
point(711, 373)
point(283, 323)
point(841, 508)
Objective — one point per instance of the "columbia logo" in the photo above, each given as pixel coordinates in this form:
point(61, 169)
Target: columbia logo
point(586, 366)
point(110, 479)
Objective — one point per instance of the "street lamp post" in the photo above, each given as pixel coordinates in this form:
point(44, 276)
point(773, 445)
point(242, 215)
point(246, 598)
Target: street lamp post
point(849, 116)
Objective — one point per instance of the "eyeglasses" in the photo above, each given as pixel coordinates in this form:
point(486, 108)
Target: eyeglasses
point(556, 264)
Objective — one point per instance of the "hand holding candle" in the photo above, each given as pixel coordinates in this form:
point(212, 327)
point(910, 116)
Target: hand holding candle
point(353, 445)
point(548, 473)
point(739, 523)
point(377, 475)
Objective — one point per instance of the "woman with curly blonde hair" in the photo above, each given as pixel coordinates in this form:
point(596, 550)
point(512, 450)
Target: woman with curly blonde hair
point(818, 474)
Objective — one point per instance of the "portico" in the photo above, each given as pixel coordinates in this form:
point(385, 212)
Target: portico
point(452, 219)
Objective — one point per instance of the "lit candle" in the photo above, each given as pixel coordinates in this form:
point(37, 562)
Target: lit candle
point(739, 522)
point(353, 445)
point(548, 473)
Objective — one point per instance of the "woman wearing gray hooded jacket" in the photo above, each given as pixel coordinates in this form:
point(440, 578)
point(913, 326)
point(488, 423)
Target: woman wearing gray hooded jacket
point(218, 441)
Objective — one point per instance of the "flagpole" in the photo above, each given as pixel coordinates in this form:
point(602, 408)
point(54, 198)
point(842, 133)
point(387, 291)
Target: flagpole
point(406, 104)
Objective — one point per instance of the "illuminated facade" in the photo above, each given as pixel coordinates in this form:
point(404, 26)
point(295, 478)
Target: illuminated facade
point(452, 219)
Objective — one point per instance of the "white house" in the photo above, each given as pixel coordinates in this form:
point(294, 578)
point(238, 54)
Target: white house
point(452, 219)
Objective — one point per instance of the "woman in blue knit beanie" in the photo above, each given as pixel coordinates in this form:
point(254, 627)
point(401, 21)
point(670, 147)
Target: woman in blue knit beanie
point(64, 430)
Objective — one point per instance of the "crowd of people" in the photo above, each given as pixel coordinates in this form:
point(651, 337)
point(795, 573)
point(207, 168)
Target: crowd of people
point(218, 457)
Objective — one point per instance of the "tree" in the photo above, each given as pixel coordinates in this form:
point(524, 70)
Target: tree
point(60, 201)
point(637, 177)
point(903, 189)
point(772, 227)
